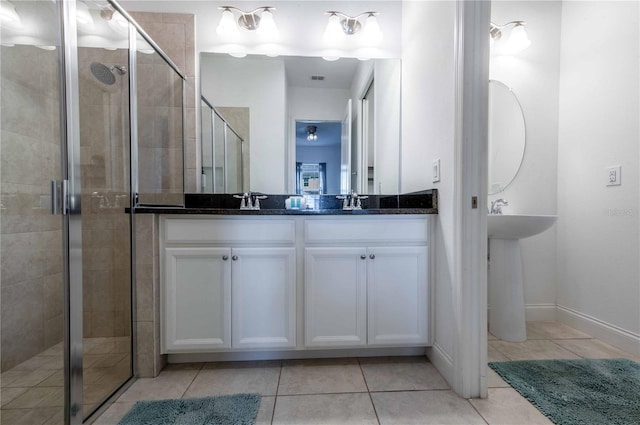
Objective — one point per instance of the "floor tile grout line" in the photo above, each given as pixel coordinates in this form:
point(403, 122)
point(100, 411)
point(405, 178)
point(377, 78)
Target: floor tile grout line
point(568, 349)
point(486, 421)
point(275, 401)
point(366, 384)
point(192, 381)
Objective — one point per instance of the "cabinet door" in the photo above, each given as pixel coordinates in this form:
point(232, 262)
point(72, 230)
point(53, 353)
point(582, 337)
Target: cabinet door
point(196, 299)
point(263, 297)
point(335, 297)
point(397, 295)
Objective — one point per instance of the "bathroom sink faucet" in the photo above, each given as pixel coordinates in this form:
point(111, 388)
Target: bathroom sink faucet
point(248, 202)
point(496, 206)
point(351, 201)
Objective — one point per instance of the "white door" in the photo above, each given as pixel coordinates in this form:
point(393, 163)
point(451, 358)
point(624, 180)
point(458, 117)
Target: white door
point(335, 296)
point(397, 295)
point(345, 151)
point(263, 297)
point(197, 299)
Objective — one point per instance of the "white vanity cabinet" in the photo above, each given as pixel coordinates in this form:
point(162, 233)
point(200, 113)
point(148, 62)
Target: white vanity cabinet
point(366, 282)
point(196, 298)
point(227, 284)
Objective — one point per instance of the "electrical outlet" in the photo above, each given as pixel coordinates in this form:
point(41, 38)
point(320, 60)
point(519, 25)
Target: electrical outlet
point(436, 171)
point(613, 175)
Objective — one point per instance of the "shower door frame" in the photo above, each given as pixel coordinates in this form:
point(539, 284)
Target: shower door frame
point(70, 197)
point(72, 227)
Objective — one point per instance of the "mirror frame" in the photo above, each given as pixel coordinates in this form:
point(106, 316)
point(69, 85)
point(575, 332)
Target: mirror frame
point(524, 149)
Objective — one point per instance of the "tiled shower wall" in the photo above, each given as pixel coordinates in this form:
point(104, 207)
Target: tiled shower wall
point(104, 164)
point(31, 264)
point(175, 34)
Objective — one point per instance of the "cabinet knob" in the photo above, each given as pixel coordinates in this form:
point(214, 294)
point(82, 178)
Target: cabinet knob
point(234, 258)
point(363, 256)
point(372, 256)
point(225, 257)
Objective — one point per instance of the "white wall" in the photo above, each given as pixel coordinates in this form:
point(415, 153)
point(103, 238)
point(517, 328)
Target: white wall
point(247, 82)
point(428, 77)
point(317, 104)
point(387, 76)
point(598, 229)
point(533, 74)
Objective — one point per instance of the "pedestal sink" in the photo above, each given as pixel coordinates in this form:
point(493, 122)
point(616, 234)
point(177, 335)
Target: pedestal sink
point(506, 292)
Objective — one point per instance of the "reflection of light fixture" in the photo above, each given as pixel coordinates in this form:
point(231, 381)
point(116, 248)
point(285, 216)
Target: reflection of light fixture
point(251, 21)
point(518, 39)
point(116, 21)
point(311, 133)
point(83, 16)
point(8, 14)
point(340, 25)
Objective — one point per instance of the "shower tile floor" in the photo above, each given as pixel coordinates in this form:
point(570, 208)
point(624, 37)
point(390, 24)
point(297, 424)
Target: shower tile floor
point(32, 393)
point(392, 390)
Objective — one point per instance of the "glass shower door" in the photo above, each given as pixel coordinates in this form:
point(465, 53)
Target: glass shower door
point(32, 261)
point(104, 169)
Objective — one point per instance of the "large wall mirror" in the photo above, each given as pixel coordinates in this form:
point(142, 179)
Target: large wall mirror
point(300, 124)
point(507, 136)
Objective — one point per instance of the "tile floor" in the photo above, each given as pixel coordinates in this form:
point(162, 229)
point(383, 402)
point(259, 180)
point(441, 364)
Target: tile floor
point(396, 390)
point(32, 393)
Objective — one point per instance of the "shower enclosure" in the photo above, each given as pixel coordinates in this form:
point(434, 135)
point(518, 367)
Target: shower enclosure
point(70, 137)
point(223, 153)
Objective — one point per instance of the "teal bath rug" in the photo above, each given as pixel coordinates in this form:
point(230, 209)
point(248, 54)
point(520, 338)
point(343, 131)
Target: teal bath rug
point(578, 392)
point(237, 409)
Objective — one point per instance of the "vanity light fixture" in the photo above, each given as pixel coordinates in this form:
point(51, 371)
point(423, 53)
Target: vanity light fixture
point(518, 39)
point(341, 25)
point(311, 133)
point(263, 24)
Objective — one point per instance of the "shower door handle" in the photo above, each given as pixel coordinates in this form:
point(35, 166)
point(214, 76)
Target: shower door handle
point(59, 197)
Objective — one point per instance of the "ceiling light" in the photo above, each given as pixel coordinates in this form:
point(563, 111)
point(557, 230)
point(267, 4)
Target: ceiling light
point(341, 25)
point(518, 39)
point(263, 24)
point(311, 133)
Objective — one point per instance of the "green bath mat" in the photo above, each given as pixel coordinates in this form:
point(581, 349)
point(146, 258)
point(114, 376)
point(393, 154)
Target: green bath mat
point(578, 392)
point(237, 409)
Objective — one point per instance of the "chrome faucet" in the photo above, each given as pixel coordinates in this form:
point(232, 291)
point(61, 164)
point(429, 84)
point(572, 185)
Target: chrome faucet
point(248, 202)
point(496, 206)
point(351, 201)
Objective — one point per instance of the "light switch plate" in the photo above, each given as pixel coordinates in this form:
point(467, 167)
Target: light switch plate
point(436, 171)
point(613, 175)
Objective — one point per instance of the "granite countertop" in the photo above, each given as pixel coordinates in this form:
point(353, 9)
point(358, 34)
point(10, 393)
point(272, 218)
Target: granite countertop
point(424, 202)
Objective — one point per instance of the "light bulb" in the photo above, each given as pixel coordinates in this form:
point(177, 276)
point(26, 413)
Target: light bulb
point(267, 28)
point(227, 26)
point(333, 34)
point(83, 16)
point(371, 33)
point(518, 39)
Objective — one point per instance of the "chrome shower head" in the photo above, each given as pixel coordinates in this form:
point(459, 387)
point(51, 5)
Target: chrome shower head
point(104, 74)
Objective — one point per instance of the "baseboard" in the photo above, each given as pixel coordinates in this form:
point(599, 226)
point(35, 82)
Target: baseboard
point(540, 312)
point(611, 334)
point(295, 354)
point(442, 361)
